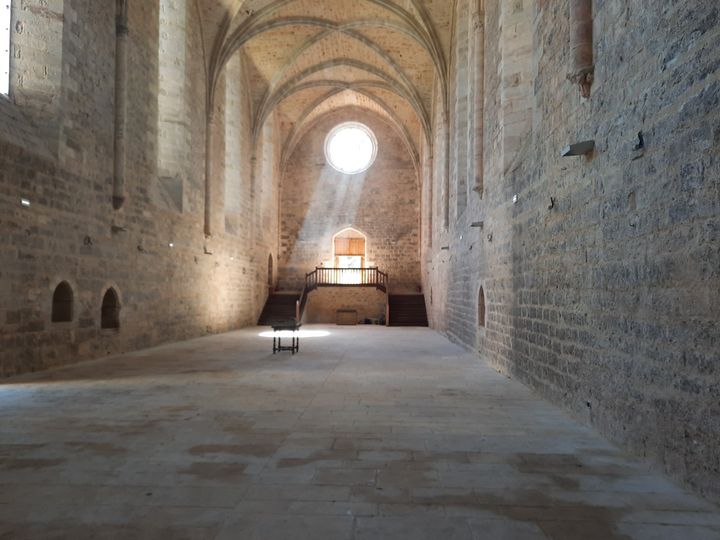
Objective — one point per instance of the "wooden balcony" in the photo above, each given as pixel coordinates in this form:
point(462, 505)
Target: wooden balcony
point(346, 277)
point(340, 277)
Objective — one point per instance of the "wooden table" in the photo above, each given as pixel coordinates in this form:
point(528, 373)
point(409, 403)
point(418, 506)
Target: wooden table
point(286, 326)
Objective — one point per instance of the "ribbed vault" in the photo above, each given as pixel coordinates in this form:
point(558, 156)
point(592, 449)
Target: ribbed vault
point(305, 58)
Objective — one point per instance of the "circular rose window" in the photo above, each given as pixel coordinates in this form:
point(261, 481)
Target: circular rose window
point(351, 148)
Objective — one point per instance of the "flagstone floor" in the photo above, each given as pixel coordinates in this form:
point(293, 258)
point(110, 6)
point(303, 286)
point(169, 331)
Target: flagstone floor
point(368, 433)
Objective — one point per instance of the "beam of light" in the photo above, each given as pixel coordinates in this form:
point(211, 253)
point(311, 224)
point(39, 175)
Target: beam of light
point(333, 204)
point(299, 333)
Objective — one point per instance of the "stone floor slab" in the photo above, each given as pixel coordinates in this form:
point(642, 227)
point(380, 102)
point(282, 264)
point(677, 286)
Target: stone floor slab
point(368, 433)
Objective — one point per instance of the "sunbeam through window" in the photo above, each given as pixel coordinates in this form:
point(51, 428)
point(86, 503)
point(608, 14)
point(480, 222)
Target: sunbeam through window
point(351, 148)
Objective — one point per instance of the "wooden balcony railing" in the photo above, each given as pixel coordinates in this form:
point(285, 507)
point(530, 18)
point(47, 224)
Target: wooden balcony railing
point(347, 277)
point(340, 277)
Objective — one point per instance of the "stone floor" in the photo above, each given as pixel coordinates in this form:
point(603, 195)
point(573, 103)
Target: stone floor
point(368, 433)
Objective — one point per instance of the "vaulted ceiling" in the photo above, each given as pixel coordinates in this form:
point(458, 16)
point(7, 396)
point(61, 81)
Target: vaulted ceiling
point(307, 57)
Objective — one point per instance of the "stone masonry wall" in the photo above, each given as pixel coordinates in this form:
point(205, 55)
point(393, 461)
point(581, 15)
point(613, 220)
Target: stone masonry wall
point(382, 203)
point(323, 304)
point(602, 280)
point(71, 231)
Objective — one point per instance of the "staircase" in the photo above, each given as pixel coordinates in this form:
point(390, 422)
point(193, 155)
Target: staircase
point(279, 307)
point(407, 310)
point(289, 307)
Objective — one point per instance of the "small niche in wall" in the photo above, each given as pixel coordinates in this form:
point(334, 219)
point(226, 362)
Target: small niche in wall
point(110, 311)
point(62, 303)
point(481, 308)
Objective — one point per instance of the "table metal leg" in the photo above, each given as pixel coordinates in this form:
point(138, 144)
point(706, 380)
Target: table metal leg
point(294, 346)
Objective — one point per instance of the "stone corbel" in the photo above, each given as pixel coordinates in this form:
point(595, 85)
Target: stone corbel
point(584, 79)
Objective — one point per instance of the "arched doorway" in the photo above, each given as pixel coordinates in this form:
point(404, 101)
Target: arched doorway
point(349, 249)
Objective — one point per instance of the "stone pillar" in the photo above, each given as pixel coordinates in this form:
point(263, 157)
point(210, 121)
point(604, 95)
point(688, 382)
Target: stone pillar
point(581, 45)
point(209, 146)
point(446, 171)
point(121, 40)
point(479, 102)
point(430, 175)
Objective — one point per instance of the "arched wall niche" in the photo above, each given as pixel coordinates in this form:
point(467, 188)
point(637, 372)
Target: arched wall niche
point(481, 308)
point(110, 310)
point(63, 303)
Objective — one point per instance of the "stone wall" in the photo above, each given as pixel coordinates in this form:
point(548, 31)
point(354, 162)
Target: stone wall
point(323, 304)
point(600, 273)
point(36, 62)
point(173, 283)
point(382, 203)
